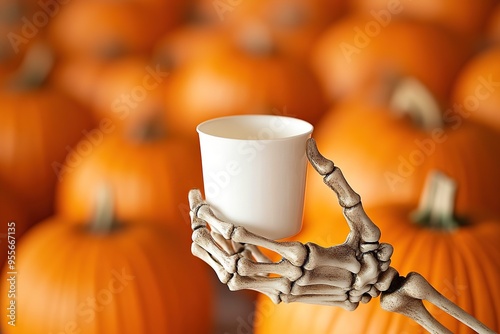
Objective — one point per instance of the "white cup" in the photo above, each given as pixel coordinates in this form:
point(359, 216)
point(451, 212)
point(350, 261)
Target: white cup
point(254, 171)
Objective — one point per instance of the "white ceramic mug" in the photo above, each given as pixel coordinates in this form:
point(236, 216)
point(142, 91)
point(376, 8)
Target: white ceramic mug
point(254, 171)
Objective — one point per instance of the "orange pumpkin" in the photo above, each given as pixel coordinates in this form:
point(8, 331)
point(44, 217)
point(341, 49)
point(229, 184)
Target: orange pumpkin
point(466, 19)
point(493, 29)
point(151, 178)
point(180, 45)
point(230, 82)
point(14, 43)
point(291, 26)
point(37, 128)
point(11, 212)
point(127, 91)
point(78, 77)
point(102, 29)
point(477, 89)
point(127, 278)
point(130, 91)
point(461, 263)
point(358, 51)
point(387, 156)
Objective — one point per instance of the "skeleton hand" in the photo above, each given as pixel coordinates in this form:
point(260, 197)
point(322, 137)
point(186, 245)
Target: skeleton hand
point(342, 275)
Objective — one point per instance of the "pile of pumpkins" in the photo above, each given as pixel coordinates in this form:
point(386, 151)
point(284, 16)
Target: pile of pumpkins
point(99, 102)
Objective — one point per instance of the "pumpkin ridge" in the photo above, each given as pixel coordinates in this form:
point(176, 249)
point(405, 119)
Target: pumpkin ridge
point(448, 241)
point(154, 285)
point(57, 279)
point(484, 275)
point(134, 268)
point(465, 298)
point(400, 265)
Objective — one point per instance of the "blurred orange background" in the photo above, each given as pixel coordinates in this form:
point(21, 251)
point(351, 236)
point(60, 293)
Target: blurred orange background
point(99, 103)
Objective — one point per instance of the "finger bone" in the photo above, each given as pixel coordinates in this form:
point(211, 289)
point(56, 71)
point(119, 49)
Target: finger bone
point(238, 282)
point(327, 275)
point(341, 256)
point(384, 252)
point(246, 267)
point(318, 289)
point(368, 273)
point(321, 164)
point(361, 224)
point(365, 299)
point(222, 274)
point(385, 279)
point(330, 300)
point(368, 247)
point(294, 251)
point(203, 238)
point(226, 229)
point(346, 196)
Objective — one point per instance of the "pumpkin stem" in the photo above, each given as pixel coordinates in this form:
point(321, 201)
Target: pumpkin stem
point(35, 68)
point(413, 98)
point(150, 128)
point(104, 217)
point(437, 203)
point(256, 40)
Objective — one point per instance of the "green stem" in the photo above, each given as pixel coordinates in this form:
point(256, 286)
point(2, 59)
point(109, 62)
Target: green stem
point(437, 203)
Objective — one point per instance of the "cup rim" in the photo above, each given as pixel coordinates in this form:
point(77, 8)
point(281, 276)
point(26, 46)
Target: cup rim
point(308, 126)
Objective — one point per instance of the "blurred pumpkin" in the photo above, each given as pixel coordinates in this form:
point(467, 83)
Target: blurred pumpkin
point(357, 52)
point(14, 216)
point(387, 155)
point(14, 42)
point(458, 256)
point(78, 77)
point(151, 175)
point(188, 41)
point(95, 29)
point(38, 125)
point(477, 89)
point(466, 19)
point(235, 81)
point(493, 29)
point(290, 26)
point(107, 278)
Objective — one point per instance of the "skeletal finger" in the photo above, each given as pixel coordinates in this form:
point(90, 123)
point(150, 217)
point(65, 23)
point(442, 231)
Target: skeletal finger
point(199, 252)
point(384, 265)
point(327, 275)
point(374, 292)
point(365, 299)
point(203, 238)
point(257, 254)
point(223, 243)
point(346, 195)
point(318, 289)
point(321, 164)
point(284, 268)
point(314, 299)
point(384, 252)
point(320, 300)
point(295, 252)
point(361, 224)
point(341, 256)
point(259, 283)
point(205, 212)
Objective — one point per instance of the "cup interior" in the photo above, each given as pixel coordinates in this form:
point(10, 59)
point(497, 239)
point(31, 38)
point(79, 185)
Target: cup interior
point(251, 127)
